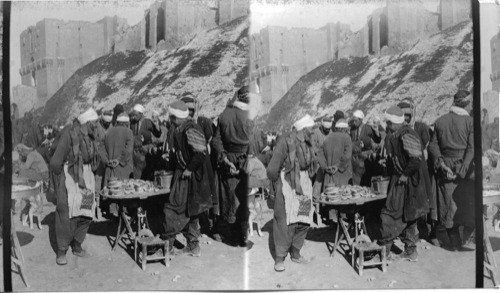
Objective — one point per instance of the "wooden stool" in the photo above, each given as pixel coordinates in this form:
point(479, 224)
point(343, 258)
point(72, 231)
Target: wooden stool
point(146, 242)
point(17, 255)
point(490, 263)
point(360, 250)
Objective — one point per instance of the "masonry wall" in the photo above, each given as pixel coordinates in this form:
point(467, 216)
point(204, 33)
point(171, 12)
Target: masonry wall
point(53, 50)
point(408, 22)
point(490, 101)
point(495, 62)
point(453, 12)
point(232, 9)
point(133, 40)
point(25, 97)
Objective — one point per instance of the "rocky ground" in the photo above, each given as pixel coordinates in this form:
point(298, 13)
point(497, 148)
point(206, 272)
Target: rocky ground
point(222, 267)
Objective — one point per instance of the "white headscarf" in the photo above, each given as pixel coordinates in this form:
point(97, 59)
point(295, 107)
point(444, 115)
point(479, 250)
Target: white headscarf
point(89, 115)
point(304, 122)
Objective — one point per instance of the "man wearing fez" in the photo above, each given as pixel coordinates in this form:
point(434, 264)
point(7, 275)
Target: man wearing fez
point(143, 129)
point(452, 150)
point(188, 194)
point(292, 166)
point(230, 144)
point(73, 162)
point(406, 196)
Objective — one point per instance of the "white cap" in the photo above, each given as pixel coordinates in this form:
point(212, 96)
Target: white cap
point(123, 118)
point(304, 122)
point(89, 115)
point(139, 108)
point(359, 114)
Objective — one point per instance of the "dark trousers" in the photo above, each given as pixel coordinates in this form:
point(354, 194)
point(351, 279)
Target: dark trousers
point(180, 223)
point(67, 229)
point(286, 237)
point(392, 228)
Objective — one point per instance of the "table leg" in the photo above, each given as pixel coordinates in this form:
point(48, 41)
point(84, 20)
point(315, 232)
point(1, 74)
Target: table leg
point(118, 232)
point(17, 254)
point(489, 259)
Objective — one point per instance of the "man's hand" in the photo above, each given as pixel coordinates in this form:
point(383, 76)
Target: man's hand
point(266, 149)
point(403, 179)
point(186, 174)
point(232, 167)
point(383, 162)
point(332, 169)
point(448, 171)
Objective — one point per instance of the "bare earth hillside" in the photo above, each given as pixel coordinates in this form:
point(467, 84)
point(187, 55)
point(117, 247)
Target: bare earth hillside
point(429, 73)
point(212, 66)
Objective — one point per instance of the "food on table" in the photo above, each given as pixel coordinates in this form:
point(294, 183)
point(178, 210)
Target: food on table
point(347, 192)
point(129, 186)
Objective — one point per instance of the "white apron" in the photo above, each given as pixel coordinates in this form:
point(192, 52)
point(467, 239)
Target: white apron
point(298, 208)
point(81, 202)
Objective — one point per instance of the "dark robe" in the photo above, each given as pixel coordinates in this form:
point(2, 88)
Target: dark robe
point(363, 139)
point(285, 236)
point(144, 161)
point(406, 202)
point(231, 140)
point(118, 145)
point(453, 144)
point(337, 151)
point(188, 197)
point(69, 229)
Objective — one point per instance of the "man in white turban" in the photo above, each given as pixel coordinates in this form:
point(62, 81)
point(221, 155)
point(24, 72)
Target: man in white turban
point(363, 139)
point(144, 129)
point(73, 162)
point(291, 167)
point(190, 192)
point(407, 195)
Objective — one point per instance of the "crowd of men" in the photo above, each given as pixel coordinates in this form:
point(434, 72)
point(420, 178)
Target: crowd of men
point(207, 158)
point(215, 164)
point(430, 169)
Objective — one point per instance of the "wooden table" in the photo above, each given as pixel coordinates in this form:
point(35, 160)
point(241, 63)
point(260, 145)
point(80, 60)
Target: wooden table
point(125, 224)
point(349, 207)
point(490, 263)
point(21, 195)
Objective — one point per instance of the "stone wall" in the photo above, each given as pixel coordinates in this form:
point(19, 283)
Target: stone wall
point(277, 64)
point(490, 101)
point(53, 50)
point(26, 98)
point(133, 39)
point(495, 62)
point(453, 12)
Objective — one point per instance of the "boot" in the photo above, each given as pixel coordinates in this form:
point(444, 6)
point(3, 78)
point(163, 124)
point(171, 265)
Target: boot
point(470, 239)
point(279, 264)
point(296, 257)
point(61, 257)
point(455, 239)
point(77, 249)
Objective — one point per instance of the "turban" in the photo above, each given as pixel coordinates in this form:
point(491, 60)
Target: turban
point(306, 121)
point(89, 115)
point(338, 115)
point(395, 115)
point(359, 114)
point(123, 118)
point(326, 122)
point(179, 109)
point(107, 116)
point(139, 108)
point(406, 106)
point(461, 99)
point(242, 94)
point(342, 123)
